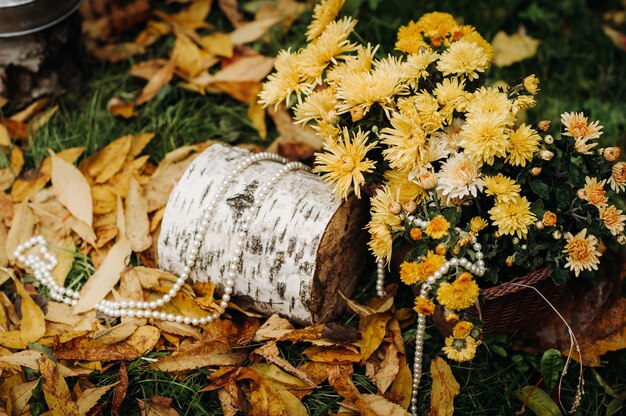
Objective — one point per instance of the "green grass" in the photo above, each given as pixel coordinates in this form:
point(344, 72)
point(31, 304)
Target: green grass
point(578, 66)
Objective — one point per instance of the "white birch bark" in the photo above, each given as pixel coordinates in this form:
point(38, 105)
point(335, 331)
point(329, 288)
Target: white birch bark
point(303, 245)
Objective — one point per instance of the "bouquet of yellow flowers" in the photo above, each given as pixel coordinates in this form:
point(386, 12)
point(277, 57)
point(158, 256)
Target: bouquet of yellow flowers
point(464, 188)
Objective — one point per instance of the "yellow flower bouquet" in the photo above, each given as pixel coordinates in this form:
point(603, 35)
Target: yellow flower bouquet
point(464, 190)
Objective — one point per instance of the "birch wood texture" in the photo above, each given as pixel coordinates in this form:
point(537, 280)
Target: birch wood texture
point(303, 246)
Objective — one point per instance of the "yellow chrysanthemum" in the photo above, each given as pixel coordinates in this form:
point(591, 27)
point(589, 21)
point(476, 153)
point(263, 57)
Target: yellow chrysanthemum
point(613, 219)
point(523, 144)
point(410, 38)
point(405, 142)
point(437, 227)
point(531, 84)
point(380, 204)
point(327, 131)
point(324, 13)
point(381, 240)
point(399, 184)
point(523, 102)
point(503, 188)
point(437, 25)
point(361, 62)
point(458, 295)
point(490, 99)
point(424, 306)
point(484, 136)
point(410, 272)
point(331, 45)
point(344, 163)
point(513, 217)
point(577, 126)
point(318, 106)
point(285, 81)
point(618, 177)
point(416, 64)
point(460, 349)
point(430, 264)
point(423, 108)
point(470, 34)
point(451, 96)
point(459, 177)
point(462, 329)
point(593, 192)
point(582, 252)
point(477, 224)
point(463, 58)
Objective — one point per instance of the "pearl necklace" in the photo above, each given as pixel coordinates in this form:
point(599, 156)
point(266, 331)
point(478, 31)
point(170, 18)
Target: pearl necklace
point(477, 268)
point(42, 267)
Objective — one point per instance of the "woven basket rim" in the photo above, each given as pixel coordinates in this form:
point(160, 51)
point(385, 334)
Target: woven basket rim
point(511, 287)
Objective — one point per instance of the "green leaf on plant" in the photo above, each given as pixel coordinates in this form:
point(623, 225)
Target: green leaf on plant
point(538, 401)
point(551, 366)
point(499, 350)
point(541, 189)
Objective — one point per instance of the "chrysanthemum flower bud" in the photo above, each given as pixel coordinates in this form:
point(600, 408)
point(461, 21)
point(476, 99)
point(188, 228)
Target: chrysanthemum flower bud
point(546, 155)
point(557, 235)
point(536, 171)
point(581, 194)
point(416, 234)
point(424, 178)
point(549, 219)
point(509, 261)
point(409, 206)
point(611, 154)
point(539, 225)
point(544, 125)
point(548, 139)
point(621, 239)
point(394, 208)
point(531, 84)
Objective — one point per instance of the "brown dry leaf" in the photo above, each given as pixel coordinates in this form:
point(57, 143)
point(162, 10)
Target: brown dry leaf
point(28, 185)
point(105, 277)
point(269, 399)
point(178, 329)
point(154, 31)
point(508, 50)
point(445, 388)
point(118, 52)
point(218, 44)
point(273, 328)
point(157, 406)
point(270, 352)
point(290, 132)
point(340, 378)
point(102, 165)
point(201, 355)
point(55, 390)
point(158, 190)
point(244, 91)
point(5, 140)
point(293, 383)
point(64, 253)
point(5, 388)
point(33, 324)
point(20, 395)
point(12, 339)
point(230, 8)
point(72, 189)
point(252, 31)
point(389, 369)
point(162, 77)
point(382, 406)
point(373, 328)
point(90, 398)
point(21, 228)
point(17, 129)
point(119, 393)
point(228, 402)
point(84, 348)
point(130, 287)
point(137, 221)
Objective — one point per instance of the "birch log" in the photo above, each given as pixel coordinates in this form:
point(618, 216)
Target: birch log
point(303, 246)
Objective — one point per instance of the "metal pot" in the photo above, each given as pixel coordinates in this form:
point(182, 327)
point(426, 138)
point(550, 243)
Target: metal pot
point(20, 17)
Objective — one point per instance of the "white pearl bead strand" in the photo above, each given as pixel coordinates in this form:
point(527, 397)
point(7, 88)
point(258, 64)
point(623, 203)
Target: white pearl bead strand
point(43, 264)
point(477, 268)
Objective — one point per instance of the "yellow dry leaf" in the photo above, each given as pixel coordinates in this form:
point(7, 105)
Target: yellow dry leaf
point(508, 50)
point(31, 110)
point(382, 406)
point(105, 234)
point(389, 368)
point(157, 406)
point(150, 278)
point(273, 328)
point(269, 400)
point(108, 161)
point(219, 44)
point(28, 185)
point(160, 78)
point(5, 139)
point(21, 228)
point(192, 17)
point(402, 386)
point(121, 180)
point(146, 69)
point(287, 10)
point(332, 354)
point(444, 389)
point(245, 69)
point(13, 340)
point(65, 255)
point(90, 397)
point(156, 219)
point(10, 173)
point(4, 259)
point(33, 323)
point(104, 199)
point(105, 277)
point(373, 328)
point(189, 58)
point(55, 390)
point(256, 114)
point(42, 119)
point(201, 355)
point(188, 306)
point(117, 107)
point(249, 32)
point(61, 313)
point(72, 189)
point(137, 221)
point(118, 332)
point(158, 190)
point(138, 143)
point(69, 155)
point(178, 329)
point(117, 52)
point(154, 31)
point(20, 395)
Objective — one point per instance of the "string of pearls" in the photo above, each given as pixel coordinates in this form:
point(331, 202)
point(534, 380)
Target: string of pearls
point(477, 268)
point(43, 264)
